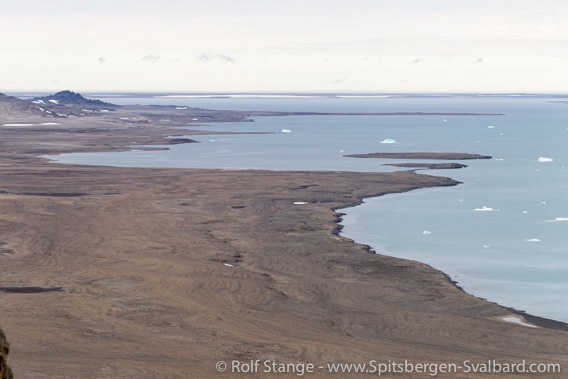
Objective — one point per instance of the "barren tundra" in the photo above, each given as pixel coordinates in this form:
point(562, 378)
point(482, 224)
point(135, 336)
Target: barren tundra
point(143, 273)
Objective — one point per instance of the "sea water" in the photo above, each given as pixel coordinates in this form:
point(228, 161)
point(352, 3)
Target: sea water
point(501, 235)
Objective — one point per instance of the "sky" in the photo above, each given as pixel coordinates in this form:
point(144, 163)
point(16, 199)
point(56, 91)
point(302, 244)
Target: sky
point(284, 45)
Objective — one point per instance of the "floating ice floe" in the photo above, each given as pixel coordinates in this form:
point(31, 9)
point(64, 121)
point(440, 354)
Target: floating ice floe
point(341, 151)
point(486, 246)
point(300, 202)
point(212, 140)
point(491, 127)
point(388, 140)
point(544, 159)
point(542, 203)
point(518, 320)
point(498, 159)
point(285, 131)
point(19, 124)
point(559, 219)
point(50, 123)
point(484, 208)
point(532, 240)
point(426, 232)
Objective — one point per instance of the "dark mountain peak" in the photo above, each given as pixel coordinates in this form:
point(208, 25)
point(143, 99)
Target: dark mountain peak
point(71, 98)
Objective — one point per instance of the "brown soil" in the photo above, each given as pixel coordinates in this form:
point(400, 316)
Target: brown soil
point(164, 272)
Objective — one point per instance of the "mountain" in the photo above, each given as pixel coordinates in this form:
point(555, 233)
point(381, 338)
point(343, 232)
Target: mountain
point(12, 106)
point(70, 98)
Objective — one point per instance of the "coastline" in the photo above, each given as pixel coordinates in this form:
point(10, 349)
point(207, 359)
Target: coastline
point(294, 294)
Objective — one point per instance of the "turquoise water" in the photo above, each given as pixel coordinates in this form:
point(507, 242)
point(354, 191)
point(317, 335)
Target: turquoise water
point(515, 255)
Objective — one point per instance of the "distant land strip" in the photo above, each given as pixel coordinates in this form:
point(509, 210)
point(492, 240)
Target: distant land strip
point(266, 113)
point(418, 155)
point(428, 165)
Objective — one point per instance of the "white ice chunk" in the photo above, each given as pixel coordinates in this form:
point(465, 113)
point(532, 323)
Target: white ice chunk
point(484, 208)
point(426, 232)
point(491, 127)
point(50, 123)
point(559, 219)
point(532, 240)
point(388, 140)
point(285, 131)
point(544, 159)
point(19, 124)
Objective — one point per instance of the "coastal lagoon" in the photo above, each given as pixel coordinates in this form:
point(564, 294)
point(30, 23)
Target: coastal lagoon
point(501, 235)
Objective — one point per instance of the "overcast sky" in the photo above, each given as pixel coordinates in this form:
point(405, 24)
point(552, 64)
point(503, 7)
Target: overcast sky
point(285, 45)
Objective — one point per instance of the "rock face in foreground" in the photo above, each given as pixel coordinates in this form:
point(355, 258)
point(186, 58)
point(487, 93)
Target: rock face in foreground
point(70, 98)
point(5, 372)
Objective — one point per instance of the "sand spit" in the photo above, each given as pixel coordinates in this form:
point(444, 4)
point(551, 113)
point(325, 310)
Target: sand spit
point(165, 272)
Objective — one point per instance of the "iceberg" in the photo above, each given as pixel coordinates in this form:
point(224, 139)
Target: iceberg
point(426, 232)
point(484, 208)
point(544, 159)
point(532, 240)
point(559, 219)
point(491, 127)
point(285, 131)
point(388, 140)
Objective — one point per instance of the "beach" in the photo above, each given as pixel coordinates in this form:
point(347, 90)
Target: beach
point(139, 272)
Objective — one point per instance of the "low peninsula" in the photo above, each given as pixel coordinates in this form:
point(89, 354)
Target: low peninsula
point(140, 273)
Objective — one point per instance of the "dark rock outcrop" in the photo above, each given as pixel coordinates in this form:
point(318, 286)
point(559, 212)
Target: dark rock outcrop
point(72, 98)
point(179, 141)
point(5, 372)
